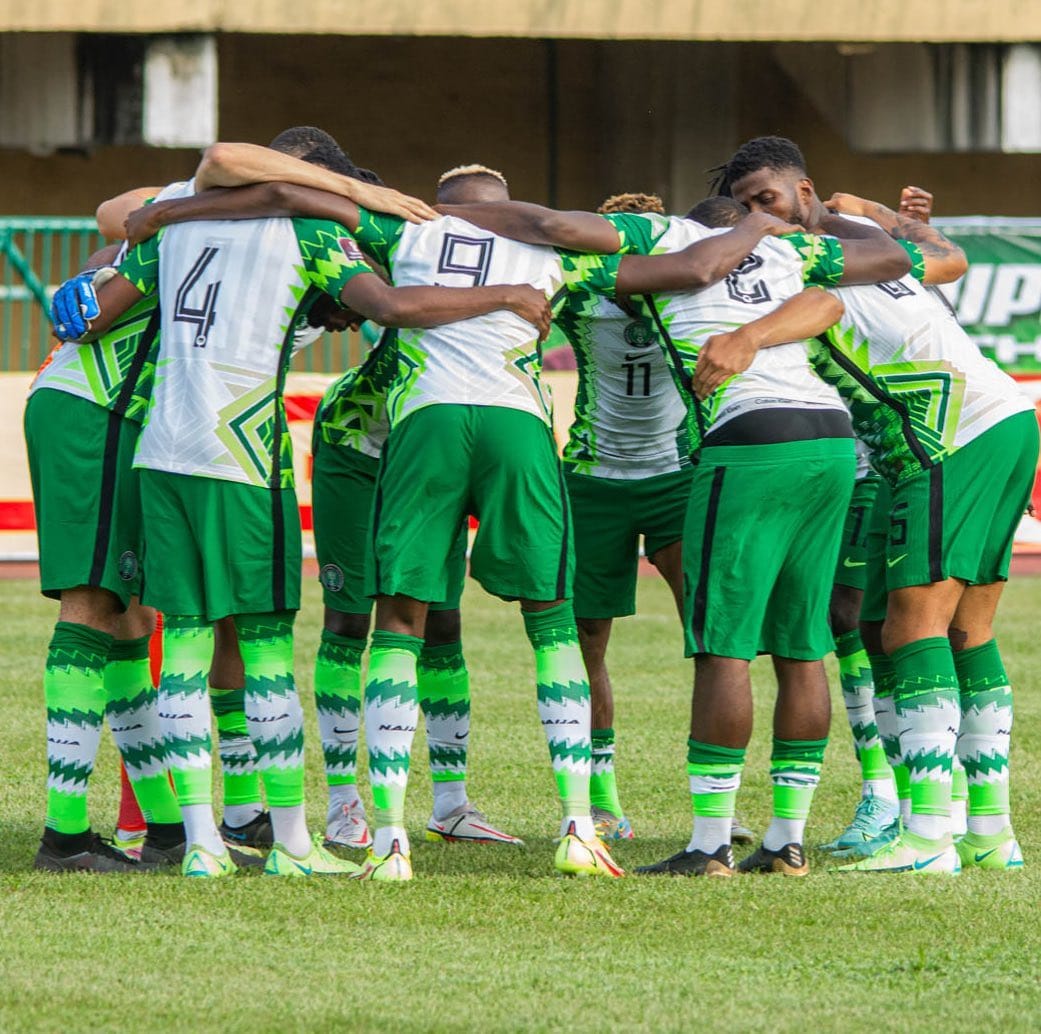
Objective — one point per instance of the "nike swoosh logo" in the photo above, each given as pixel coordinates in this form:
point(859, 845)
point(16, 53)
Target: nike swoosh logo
point(986, 854)
point(462, 735)
point(846, 562)
point(345, 732)
point(927, 862)
point(896, 560)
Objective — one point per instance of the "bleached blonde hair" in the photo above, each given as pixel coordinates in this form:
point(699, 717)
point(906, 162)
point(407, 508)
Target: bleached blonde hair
point(472, 170)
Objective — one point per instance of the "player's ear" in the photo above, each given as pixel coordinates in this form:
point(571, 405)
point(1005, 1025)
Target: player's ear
point(806, 190)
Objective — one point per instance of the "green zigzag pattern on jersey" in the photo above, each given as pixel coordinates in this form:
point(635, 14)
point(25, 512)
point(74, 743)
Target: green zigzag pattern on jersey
point(246, 430)
point(933, 398)
point(575, 320)
point(358, 400)
point(324, 259)
point(412, 362)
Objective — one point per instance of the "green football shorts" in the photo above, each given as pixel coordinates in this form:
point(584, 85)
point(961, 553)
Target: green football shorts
point(88, 508)
point(610, 515)
point(873, 606)
point(445, 461)
point(958, 519)
point(217, 548)
point(762, 535)
point(343, 484)
point(851, 569)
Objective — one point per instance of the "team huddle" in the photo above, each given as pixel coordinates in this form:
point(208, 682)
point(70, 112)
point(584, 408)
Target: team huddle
point(770, 396)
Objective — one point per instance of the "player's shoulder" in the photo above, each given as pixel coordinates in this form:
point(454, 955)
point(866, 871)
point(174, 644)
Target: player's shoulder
point(180, 189)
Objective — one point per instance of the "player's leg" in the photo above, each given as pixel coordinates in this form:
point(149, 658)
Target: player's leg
point(985, 693)
point(244, 823)
point(606, 558)
point(444, 698)
point(342, 488)
point(795, 630)
point(64, 433)
point(877, 809)
point(420, 502)
point(524, 550)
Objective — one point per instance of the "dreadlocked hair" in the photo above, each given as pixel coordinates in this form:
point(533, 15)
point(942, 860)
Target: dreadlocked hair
point(764, 152)
point(641, 203)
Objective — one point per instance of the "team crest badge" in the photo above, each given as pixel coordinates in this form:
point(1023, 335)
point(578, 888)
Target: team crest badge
point(128, 565)
point(331, 577)
point(637, 334)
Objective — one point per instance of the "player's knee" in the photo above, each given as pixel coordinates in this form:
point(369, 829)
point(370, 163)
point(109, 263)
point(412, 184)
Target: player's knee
point(350, 626)
point(443, 627)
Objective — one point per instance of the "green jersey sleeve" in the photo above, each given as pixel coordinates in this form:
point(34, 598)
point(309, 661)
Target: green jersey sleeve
point(141, 266)
point(639, 233)
point(594, 273)
point(331, 258)
point(823, 260)
point(917, 259)
point(378, 235)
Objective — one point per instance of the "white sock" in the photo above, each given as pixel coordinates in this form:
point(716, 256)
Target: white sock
point(988, 825)
point(448, 796)
point(959, 817)
point(236, 815)
point(342, 795)
point(709, 834)
point(200, 828)
point(783, 831)
point(384, 837)
point(584, 828)
point(289, 826)
point(932, 827)
point(883, 789)
point(905, 810)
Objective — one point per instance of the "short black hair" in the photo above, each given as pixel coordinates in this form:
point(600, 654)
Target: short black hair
point(314, 145)
point(764, 152)
point(715, 212)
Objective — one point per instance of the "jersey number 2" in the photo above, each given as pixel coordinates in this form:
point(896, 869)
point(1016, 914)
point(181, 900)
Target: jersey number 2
point(201, 315)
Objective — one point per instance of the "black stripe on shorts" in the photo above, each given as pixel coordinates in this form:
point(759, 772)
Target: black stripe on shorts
point(107, 502)
point(936, 523)
point(565, 511)
point(697, 621)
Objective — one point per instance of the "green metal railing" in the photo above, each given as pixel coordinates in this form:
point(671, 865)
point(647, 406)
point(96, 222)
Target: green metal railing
point(38, 253)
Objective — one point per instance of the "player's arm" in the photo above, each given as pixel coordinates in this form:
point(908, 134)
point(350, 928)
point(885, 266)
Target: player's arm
point(723, 356)
point(533, 224)
point(259, 201)
point(388, 306)
point(112, 214)
point(238, 165)
point(944, 260)
point(700, 264)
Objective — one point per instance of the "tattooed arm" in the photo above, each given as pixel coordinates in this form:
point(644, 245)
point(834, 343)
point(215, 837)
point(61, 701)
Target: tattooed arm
point(944, 260)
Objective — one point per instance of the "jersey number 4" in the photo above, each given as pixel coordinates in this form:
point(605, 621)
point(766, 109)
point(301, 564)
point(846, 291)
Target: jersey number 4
point(468, 256)
point(746, 290)
point(202, 313)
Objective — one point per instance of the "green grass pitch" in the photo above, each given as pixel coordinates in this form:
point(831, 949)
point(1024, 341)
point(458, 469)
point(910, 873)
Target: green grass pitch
point(488, 937)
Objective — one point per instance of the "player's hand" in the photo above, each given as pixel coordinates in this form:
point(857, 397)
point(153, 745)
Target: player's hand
point(391, 202)
point(767, 225)
point(846, 204)
point(916, 203)
point(142, 224)
point(73, 306)
point(721, 357)
point(532, 305)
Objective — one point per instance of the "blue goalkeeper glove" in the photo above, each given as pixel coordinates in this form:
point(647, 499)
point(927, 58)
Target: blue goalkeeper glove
point(74, 305)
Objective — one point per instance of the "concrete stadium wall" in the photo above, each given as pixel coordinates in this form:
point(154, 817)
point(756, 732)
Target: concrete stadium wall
point(568, 122)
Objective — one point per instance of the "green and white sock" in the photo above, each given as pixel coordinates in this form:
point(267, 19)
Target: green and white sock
point(714, 773)
point(889, 730)
point(795, 771)
point(184, 709)
point(391, 715)
point(959, 799)
point(858, 691)
point(562, 687)
point(238, 758)
point(928, 712)
point(337, 697)
point(74, 692)
point(132, 710)
point(276, 722)
point(603, 787)
point(986, 727)
point(444, 697)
